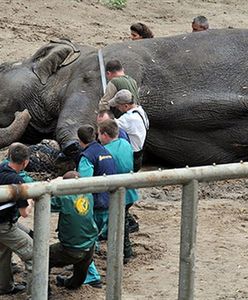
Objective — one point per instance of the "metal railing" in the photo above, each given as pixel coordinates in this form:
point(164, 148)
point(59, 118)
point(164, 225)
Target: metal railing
point(188, 177)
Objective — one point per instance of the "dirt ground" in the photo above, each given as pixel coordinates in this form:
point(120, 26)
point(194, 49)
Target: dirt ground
point(222, 240)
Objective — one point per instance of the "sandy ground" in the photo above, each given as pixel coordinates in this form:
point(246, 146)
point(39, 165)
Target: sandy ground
point(222, 241)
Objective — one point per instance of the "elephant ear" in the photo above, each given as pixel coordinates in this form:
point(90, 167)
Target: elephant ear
point(48, 59)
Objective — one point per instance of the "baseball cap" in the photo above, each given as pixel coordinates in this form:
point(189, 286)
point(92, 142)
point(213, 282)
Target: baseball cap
point(121, 97)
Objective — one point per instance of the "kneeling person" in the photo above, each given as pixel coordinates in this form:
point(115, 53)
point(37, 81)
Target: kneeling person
point(77, 233)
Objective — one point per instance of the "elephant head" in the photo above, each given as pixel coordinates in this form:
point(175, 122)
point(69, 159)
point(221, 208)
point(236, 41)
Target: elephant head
point(15, 91)
point(50, 85)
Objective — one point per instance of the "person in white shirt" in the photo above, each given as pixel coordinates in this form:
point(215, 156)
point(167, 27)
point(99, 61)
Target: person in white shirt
point(134, 121)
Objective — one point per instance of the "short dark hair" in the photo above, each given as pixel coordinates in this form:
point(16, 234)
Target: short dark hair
point(86, 133)
point(142, 30)
point(71, 174)
point(110, 127)
point(201, 20)
point(113, 66)
point(108, 112)
point(18, 153)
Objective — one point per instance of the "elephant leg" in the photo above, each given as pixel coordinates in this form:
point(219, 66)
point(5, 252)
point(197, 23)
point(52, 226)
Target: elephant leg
point(15, 130)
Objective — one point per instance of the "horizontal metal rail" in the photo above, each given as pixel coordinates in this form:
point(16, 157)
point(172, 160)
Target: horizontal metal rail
point(131, 180)
point(188, 177)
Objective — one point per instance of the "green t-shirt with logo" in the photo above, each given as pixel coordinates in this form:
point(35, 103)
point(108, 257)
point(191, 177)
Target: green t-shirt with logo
point(76, 226)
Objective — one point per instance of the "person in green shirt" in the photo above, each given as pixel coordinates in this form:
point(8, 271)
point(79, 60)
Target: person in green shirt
point(118, 80)
point(77, 233)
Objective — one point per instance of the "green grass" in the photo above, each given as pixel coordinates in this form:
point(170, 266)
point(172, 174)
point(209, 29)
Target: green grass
point(117, 4)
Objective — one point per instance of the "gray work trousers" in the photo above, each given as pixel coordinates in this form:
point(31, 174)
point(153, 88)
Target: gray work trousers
point(13, 239)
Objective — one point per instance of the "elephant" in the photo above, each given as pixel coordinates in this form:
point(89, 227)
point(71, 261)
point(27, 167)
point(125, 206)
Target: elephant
point(16, 129)
point(193, 86)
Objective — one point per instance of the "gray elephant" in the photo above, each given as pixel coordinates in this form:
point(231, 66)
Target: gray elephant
point(193, 87)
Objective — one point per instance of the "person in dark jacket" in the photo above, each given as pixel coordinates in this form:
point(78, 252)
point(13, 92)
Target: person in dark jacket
point(12, 238)
point(95, 160)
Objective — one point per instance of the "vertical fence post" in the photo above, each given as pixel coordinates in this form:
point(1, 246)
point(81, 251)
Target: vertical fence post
point(41, 247)
point(188, 240)
point(115, 244)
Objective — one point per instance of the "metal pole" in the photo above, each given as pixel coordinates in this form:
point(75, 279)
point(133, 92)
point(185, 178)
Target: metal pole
point(41, 247)
point(115, 244)
point(188, 240)
point(102, 70)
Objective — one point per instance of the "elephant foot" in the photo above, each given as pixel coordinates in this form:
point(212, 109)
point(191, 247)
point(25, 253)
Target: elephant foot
point(72, 150)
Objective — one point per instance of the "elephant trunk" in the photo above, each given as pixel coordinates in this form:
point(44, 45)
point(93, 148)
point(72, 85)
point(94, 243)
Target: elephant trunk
point(15, 130)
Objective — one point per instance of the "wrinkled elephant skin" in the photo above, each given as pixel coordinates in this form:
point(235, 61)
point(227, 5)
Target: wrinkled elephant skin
point(193, 86)
point(14, 131)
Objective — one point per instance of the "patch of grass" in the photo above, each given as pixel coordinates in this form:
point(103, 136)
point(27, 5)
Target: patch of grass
point(116, 4)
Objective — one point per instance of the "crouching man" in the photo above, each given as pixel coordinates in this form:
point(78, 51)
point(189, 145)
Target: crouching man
point(77, 233)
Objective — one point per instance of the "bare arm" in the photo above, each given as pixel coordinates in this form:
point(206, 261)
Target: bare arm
point(109, 94)
point(25, 211)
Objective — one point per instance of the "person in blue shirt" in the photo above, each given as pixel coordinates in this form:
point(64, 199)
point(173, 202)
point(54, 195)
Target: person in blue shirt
point(109, 115)
point(122, 153)
point(95, 160)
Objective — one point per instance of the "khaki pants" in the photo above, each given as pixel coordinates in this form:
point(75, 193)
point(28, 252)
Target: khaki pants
point(13, 239)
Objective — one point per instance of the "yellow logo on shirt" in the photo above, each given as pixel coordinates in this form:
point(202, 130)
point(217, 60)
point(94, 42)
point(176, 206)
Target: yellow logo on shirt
point(82, 205)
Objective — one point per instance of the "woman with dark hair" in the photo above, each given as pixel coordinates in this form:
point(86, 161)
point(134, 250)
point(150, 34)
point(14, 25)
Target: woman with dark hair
point(140, 31)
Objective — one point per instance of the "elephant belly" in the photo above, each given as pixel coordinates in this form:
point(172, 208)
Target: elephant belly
point(178, 148)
